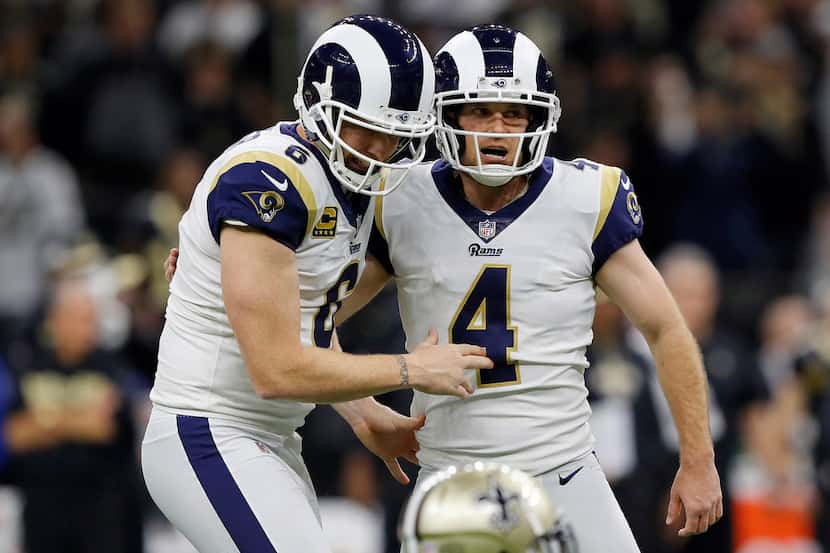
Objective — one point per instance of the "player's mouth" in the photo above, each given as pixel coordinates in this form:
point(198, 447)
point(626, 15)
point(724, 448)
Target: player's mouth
point(357, 165)
point(493, 154)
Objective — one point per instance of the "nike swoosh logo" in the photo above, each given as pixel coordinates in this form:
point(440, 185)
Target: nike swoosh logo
point(626, 184)
point(565, 479)
point(281, 186)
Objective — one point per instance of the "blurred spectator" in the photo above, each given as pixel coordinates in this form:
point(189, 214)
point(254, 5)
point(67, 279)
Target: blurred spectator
point(76, 465)
point(210, 118)
point(230, 23)
point(813, 370)
point(353, 522)
point(40, 213)
point(149, 231)
point(785, 327)
point(19, 51)
point(109, 107)
point(755, 134)
point(816, 262)
point(774, 495)
point(10, 503)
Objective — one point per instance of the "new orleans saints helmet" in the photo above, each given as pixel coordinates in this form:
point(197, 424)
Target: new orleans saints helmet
point(483, 508)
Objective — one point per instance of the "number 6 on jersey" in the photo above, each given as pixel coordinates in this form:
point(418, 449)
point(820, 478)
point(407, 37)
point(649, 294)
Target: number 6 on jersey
point(483, 319)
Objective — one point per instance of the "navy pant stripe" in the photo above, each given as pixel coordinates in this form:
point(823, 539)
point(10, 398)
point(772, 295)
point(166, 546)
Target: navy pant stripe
point(225, 496)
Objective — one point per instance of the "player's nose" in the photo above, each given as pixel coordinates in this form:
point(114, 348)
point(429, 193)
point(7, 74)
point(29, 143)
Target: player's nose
point(379, 146)
point(496, 123)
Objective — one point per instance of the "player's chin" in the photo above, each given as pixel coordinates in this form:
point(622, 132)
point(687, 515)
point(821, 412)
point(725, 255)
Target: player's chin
point(357, 166)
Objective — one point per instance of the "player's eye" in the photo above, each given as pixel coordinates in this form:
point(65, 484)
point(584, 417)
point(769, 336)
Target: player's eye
point(515, 114)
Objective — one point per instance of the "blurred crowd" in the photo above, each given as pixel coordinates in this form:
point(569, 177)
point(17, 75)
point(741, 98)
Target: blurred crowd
point(719, 110)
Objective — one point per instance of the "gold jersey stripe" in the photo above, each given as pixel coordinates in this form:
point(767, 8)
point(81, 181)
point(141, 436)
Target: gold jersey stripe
point(286, 166)
point(379, 205)
point(608, 190)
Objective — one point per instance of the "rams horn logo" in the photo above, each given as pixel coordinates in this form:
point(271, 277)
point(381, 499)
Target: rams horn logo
point(267, 204)
point(633, 207)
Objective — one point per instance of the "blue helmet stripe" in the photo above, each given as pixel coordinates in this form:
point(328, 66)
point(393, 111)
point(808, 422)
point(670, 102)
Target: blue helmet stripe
point(346, 79)
point(446, 72)
point(496, 43)
point(406, 64)
point(544, 76)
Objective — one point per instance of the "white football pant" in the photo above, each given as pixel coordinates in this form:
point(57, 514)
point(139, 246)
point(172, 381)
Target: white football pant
point(229, 487)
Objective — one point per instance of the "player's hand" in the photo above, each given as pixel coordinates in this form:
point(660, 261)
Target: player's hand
point(435, 369)
point(390, 435)
point(695, 500)
point(170, 264)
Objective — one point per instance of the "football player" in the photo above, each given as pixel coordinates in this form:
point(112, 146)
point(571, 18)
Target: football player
point(498, 245)
point(483, 508)
point(274, 240)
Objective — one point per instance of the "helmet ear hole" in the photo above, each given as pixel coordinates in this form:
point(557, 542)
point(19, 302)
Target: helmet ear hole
point(537, 116)
point(451, 116)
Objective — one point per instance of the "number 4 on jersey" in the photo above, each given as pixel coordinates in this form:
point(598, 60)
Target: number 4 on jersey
point(483, 319)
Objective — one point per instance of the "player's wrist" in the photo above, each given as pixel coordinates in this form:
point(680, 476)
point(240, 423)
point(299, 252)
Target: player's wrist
point(404, 372)
point(693, 459)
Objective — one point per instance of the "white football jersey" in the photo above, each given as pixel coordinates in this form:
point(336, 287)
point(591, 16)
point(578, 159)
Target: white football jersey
point(519, 282)
point(279, 184)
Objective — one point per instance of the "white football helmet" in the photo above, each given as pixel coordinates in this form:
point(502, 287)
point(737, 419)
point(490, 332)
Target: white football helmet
point(483, 508)
point(370, 72)
point(494, 63)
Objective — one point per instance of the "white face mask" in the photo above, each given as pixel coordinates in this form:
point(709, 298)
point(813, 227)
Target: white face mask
point(324, 122)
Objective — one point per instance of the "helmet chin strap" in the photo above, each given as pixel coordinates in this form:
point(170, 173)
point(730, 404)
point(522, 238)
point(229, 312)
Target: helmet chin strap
point(354, 176)
point(493, 181)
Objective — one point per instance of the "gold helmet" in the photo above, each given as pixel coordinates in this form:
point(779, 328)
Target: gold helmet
point(483, 508)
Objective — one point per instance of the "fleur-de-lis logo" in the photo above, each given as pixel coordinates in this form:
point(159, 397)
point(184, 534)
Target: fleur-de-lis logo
point(267, 204)
point(506, 518)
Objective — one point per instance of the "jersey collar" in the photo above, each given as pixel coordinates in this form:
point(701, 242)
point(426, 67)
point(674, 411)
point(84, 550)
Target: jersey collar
point(485, 226)
point(354, 205)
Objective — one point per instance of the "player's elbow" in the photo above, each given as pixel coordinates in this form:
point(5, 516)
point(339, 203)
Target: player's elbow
point(277, 381)
point(273, 387)
point(266, 388)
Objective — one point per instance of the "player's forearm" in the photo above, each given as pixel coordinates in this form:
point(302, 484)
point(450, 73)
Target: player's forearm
point(323, 376)
point(356, 411)
point(683, 380)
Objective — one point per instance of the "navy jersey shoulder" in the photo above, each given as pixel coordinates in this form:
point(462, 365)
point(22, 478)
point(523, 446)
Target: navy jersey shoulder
point(265, 191)
point(620, 218)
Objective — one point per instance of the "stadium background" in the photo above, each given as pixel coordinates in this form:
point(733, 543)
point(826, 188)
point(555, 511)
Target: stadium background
point(718, 110)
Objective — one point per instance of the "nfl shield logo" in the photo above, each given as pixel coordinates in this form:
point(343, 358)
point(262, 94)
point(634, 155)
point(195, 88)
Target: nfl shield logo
point(486, 229)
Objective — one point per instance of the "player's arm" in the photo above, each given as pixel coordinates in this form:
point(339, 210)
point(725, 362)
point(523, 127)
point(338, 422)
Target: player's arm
point(632, 282)
point(383, 431)
point(260, 285)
